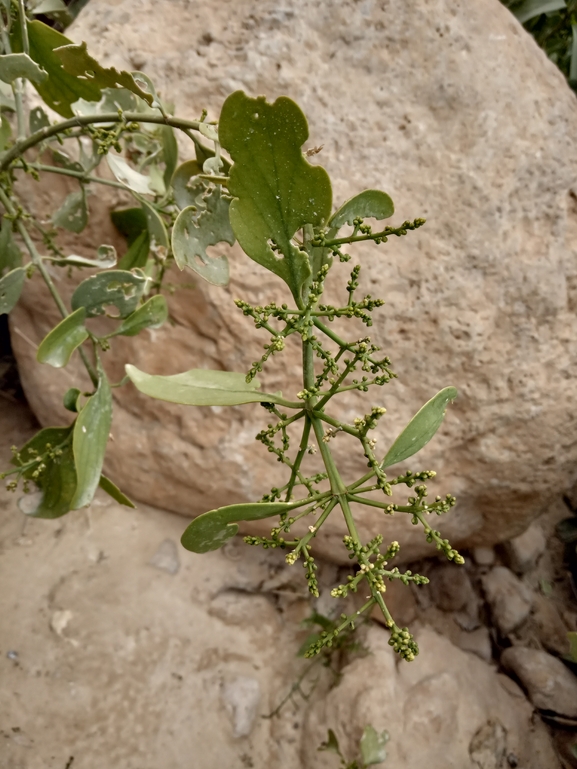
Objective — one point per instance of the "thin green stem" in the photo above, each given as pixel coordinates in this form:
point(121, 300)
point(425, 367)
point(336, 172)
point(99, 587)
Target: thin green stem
point(369, 502)
point(23, 27)
point(83, 120)
point(75, 174)
point(299, 457)
point(335, 423)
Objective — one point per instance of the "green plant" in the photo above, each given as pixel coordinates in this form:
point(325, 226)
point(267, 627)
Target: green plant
point(278, 206)
point(371, 748)
point(553, 24)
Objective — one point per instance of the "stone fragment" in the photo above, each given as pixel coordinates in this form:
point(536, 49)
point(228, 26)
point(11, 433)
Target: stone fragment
point(549, 683)
point(510, 600)
point(483, 556)
point(451, 588)
point(551, 629)
point(483, 297)
point(166, 557)
point(524, 551)
point(241, 698)
point(477, 642)
point(445, 709)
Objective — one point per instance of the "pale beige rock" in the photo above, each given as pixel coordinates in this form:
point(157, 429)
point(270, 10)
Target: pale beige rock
point(445, 710)
point(461, 118)
point(550, 684)
point(510, 600)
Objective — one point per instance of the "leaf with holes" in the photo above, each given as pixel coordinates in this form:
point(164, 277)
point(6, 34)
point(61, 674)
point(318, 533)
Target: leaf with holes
point(38, 119)
point(211, 530)
point(192, 234)
point(276, 191)
point(421, 428)
point(201, 387)
point(11, 286)
point(186, 187)
point(57, 481)
point(57, 347)
point(116, 288)
point(15, 65)
point(373, 746)
point(73, 213)
point(152, 314)
point(78, 62)
point(91, 431)
point(370, 204)
point(105, 258)
point(60, 89)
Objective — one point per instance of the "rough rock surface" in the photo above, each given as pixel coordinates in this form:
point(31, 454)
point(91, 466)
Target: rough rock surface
point(524, 551)
point(510, 600)
point(448, 710)
point(549, 683)
point(435, 108)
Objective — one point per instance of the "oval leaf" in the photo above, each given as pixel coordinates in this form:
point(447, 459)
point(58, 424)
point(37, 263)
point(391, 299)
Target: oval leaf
point(91, 431)
point(370, 204)
point(193, 234)
point(117, 288)
point(57, 482)
point(276, 190)
point(151, 314)
point(211, 530)
point(421, 428)
point(73, 213)
point(113, 491)
point(200, 387)
point(137, 254)
point(15, 65)
point(58, 346)
point(11, 286)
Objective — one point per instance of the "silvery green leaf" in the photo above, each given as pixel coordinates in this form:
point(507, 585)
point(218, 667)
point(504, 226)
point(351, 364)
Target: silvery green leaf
point(201, 387)
point(370, 204)
point(57, 347)
point(116, 288)
point(38, 119)
point(188, 189)
point(373, 746)
point(11, 286)
point(73, 213)
point(15, 65)
point(105, 258)
point(151, 314)
point(421, 428)
point(128, 176)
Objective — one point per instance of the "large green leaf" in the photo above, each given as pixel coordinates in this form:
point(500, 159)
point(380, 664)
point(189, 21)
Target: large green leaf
point(11, 286)
point(57, 482)
point(370, 204)
point(113, 491)
point(276, 190)
point(421, 428)
point(91, 431)
point(201, 387)
point(60, 89)
point(531, 8)
point(57, 347)
point(211, 530)
point(10, 256)
point(192, 234)
point(15, 65)
point(77, 62)
point(373, 746)
point(73, 213)
point(151, 314)
point(117, 288)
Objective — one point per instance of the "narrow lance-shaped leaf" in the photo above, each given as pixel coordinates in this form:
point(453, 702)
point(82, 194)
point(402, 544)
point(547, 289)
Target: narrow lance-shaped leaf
point(78, 62)
point(104, 259)
point(531, 8)
point(15, 65)
point(276, 190)
point(130, 222)
point(201, 387)
point(91, 431)
point(211, 530)
point(73, 213)
point(192, 234)
point(155, 224)
point(57, 481)
point(137, 254)
point(573, 67)
point(113, 491)
point(10, 256)
point(152, 314)
point(115, 288)
point(169, 153)
point(421, 428)
point(11, 286)
point(57, 347)
point(370, 204)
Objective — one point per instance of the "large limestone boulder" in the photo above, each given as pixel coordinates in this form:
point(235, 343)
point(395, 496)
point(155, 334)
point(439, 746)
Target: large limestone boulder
point(454, 111)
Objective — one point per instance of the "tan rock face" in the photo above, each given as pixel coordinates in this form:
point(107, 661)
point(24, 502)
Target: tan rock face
point(459, 116)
